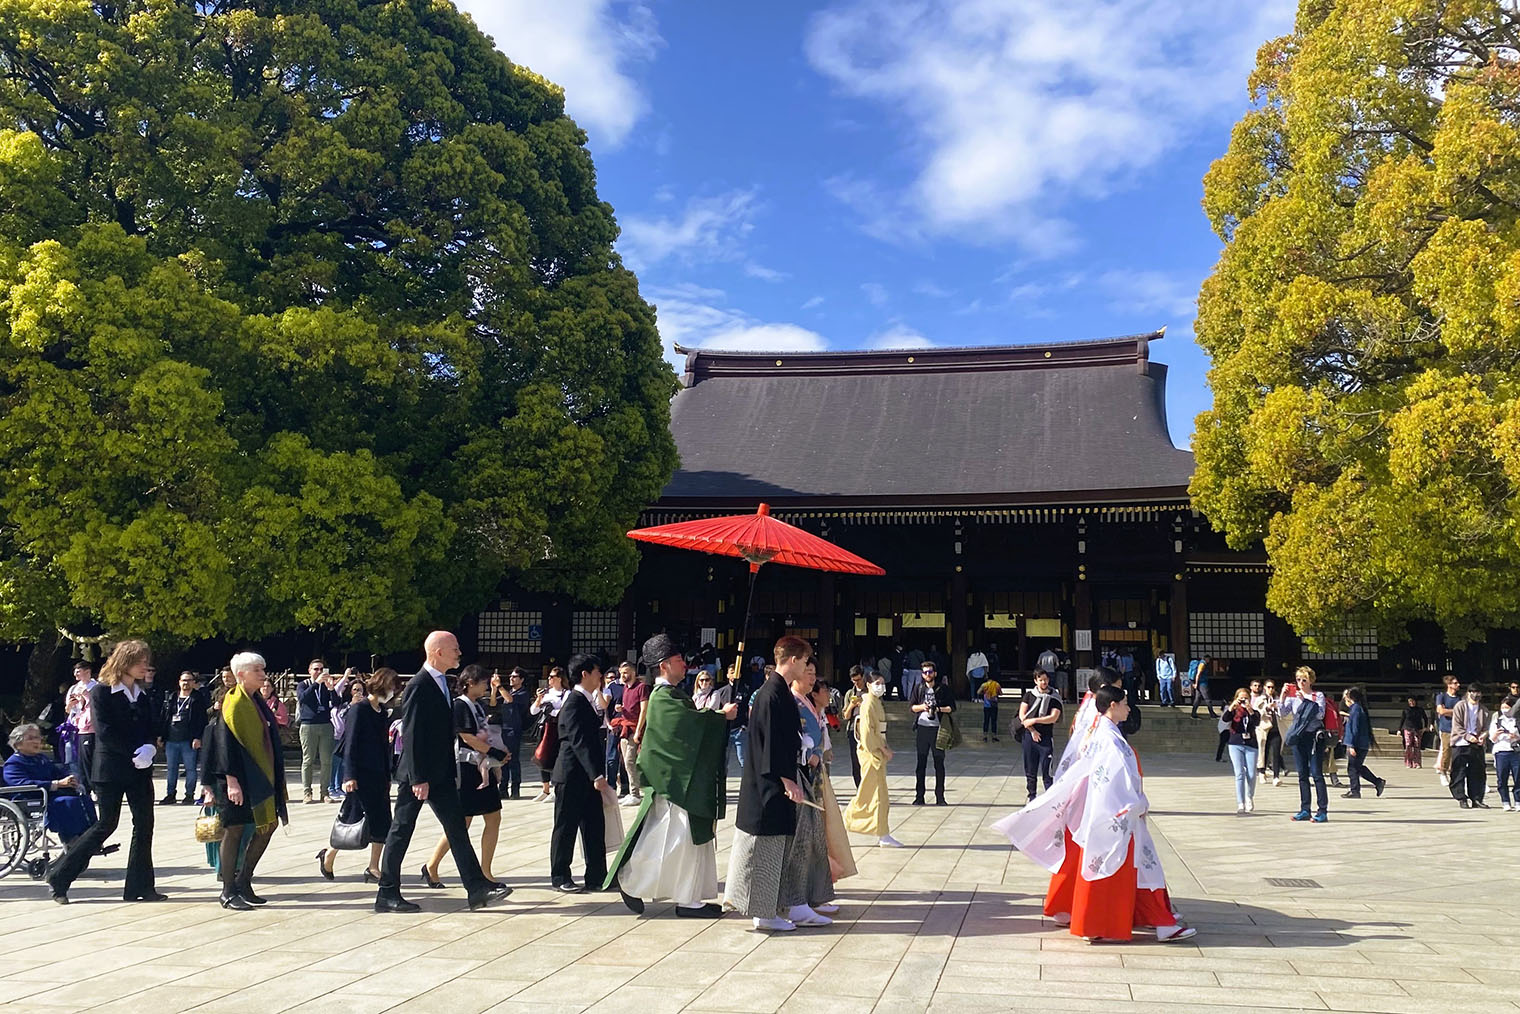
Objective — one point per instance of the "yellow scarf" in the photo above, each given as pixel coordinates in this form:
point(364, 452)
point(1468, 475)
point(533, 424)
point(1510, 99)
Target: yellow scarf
point(242, 718)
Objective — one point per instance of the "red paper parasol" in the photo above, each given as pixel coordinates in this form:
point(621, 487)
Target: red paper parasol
point(760, 539)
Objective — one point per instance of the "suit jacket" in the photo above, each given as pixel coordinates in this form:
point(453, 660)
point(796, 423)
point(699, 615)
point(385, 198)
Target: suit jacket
point(775, 741)
point(1459, 714)
point(580, 761)
point(120, 728)
point(427, 730)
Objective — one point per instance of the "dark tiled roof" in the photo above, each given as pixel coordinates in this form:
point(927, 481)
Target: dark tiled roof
point(979, 426)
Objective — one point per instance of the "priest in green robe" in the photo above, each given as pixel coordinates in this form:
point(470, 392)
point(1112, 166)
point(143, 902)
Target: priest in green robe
point(670, 851)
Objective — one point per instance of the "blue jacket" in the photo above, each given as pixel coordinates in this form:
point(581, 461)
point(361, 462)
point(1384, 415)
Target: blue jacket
point(315, 702)
point(1358, 731)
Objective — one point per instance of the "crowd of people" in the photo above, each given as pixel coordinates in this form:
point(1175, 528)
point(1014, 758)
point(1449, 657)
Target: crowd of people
point(658, 737)
point(1320, 731)
point(383, 745)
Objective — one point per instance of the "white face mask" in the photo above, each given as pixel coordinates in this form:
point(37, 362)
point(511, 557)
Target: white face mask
point(878, 689)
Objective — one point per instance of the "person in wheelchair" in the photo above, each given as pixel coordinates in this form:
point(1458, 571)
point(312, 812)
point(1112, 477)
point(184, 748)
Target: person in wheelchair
point(68, 812)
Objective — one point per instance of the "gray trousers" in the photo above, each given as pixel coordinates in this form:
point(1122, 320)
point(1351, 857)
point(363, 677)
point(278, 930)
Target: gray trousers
point(316, 756)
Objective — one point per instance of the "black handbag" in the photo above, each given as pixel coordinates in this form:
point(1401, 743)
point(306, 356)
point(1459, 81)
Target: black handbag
point(347, 837)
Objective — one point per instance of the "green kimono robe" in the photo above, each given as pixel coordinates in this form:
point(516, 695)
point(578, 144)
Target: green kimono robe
point(681, 758)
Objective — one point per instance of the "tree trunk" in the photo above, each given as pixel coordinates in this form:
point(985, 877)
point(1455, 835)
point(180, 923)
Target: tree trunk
point(44, 674)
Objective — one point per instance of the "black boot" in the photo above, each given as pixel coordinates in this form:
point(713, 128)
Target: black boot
point(233, 900)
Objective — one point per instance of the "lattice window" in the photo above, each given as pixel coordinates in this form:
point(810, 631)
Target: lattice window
point(1349, 642)
point(593, 630)
point(516, 630)
point(1228, 635)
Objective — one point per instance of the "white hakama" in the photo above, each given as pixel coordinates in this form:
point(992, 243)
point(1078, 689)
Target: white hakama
point(664, 863)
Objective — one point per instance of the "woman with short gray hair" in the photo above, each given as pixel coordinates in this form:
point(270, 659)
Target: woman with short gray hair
point(248, 772)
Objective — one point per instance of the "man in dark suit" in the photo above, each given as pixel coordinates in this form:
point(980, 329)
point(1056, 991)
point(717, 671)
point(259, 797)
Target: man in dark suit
point(426, 774)
point(579, 779)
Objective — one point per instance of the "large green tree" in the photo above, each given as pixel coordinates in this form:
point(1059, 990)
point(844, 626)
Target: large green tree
point(309, 317)
point(1364, 318)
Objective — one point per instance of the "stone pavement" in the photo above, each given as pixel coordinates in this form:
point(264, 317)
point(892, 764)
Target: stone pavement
point(952, 924)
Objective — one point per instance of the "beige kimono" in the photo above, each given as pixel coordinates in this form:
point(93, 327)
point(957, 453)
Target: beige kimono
point(867, 812)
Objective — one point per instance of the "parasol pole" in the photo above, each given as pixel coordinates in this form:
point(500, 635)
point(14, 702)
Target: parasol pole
point(749, 602)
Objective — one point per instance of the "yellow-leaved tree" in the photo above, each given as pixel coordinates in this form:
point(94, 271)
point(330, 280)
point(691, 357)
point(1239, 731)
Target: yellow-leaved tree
point(1364, 318)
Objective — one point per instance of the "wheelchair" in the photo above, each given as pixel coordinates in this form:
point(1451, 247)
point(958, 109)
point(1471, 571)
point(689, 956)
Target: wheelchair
point(25, 841)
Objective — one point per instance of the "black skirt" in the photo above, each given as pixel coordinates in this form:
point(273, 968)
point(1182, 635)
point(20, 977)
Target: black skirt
point(475, 796)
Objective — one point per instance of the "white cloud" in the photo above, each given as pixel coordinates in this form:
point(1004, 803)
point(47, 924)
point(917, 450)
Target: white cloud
point(700, 318)
point(767, 338)
point(764, 273)
point(875, 292)
point(1173, 296)
point(898, 336)
point(924, 287)
point(1016, 106)
point(709, 227)
point(588, 47)
point(813, 303)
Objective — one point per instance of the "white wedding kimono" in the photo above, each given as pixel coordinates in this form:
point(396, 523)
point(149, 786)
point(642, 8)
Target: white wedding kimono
point(1099, 799)
point(1081, 726)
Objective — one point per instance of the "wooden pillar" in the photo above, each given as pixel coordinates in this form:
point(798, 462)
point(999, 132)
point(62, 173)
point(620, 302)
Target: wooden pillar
point(959, 633)
point(846, 615)
point(1082, 619)
point(827, 649)
point(626, 639)
point(1177, 606)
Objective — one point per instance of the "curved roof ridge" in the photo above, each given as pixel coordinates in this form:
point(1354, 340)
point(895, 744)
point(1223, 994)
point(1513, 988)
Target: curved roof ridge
point(928, 350)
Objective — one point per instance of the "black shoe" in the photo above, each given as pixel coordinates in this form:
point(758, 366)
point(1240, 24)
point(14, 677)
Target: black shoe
point(996, 740)
point(187, 800)
point(235, 901)
point(919, 801)
point(60, 897)
point(480, 899)
point(497, 891)
point(1480, 804)
point(1381, 785)
point(941, 802)
point(569, 887)
point(322, 866)
point(707, 911)
point(150, 896)
point(397, 904)
point(1351, 795)
point(169, 799)
point(428, 881)
point(634, 905)
point(106, 850)
point(371, 878)
point(1466, 805)
point(245, 891)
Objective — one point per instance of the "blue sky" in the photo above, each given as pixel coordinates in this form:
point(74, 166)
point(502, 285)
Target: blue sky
point(904, 173)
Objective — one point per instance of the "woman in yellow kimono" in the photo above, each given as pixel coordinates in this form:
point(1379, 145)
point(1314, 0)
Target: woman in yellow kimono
point(867, 812)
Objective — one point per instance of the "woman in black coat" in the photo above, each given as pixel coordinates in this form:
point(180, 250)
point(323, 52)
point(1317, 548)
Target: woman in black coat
point(248, 775)
point(121, 768)
point(367, 772)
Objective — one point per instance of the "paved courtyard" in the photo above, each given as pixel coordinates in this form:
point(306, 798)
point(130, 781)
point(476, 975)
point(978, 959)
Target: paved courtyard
point(1415, 911)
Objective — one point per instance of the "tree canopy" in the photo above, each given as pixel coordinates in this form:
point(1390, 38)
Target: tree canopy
point(1364, 317)
point(309, 317)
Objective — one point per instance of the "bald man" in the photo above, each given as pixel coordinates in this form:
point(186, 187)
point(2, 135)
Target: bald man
point(426, 775)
